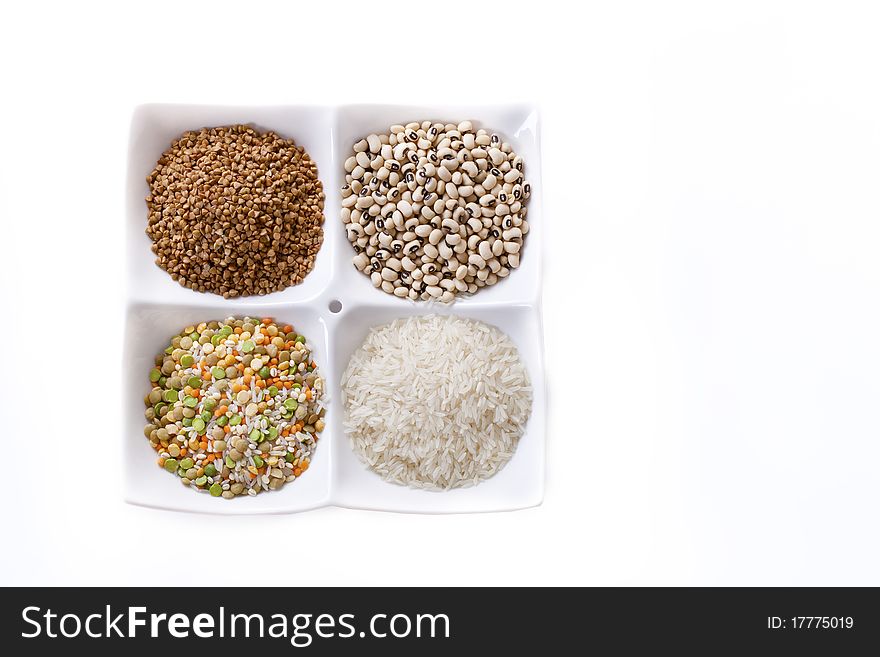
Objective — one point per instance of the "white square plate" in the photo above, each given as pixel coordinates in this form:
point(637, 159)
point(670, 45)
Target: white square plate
point(158, 307)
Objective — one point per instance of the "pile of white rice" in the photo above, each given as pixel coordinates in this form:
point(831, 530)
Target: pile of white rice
point(436, 402)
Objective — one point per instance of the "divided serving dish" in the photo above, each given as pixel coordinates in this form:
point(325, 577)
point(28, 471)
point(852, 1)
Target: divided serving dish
point(334, 307)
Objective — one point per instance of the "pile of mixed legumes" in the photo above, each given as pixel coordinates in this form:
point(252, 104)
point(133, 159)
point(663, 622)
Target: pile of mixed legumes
point(236, 406)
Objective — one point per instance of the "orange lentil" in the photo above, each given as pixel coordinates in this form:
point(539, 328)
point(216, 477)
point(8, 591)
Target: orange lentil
point(238, 330)
point(267, 320)
point(297, 472)
point(287, 328)
point(227, 429)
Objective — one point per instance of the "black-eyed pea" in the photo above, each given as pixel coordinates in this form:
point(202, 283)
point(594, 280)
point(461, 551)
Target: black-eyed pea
point(450, 164)
point(524, 227)
point(417, 274)
point(389, 274)
point(376, 278)
point(475, 225)
point(497, 248)
point(401, 291)
point(388, 287)
point(363, 160)
point(513, 176)
point(476, 260)
point(513, 260)
point(485, 250)
point(511, 247)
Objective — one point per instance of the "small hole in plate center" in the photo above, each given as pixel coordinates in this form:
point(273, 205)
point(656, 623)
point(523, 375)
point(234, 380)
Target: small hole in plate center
point(335, 306)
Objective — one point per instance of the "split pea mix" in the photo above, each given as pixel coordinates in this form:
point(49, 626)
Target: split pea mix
point(235, 407)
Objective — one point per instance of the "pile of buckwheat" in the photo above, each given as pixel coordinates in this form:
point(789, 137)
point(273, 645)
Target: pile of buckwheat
point(235, 212)
point(434, 210)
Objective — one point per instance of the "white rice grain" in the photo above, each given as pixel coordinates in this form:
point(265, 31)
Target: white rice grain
point(436, 402)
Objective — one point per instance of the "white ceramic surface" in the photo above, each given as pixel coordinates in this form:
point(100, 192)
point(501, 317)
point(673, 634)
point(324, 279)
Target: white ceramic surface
point(158, 308)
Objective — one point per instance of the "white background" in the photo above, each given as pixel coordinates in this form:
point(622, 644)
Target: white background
point(711, 185)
